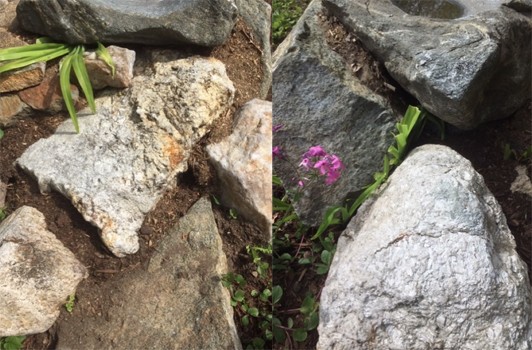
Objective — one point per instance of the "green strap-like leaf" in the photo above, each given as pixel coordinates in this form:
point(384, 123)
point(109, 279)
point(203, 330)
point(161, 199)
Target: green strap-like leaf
point(104, 55)
point(83, 77)
point(15, 55)
point(64, 80)
point(27, 61)
point(31, 48)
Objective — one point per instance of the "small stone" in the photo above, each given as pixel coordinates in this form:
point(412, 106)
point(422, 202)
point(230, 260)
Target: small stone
point(47, 96)
point(243, 163)
point(3, 192)
point(22, 78)
point(100, 73)
point(522, 183)
point(11, 108)
point(38, 274)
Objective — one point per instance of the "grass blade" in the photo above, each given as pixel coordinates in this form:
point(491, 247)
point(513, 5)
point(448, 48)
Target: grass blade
point(64, 79)
point(83, 77)
point(28, 61)
point(29, 50)
point(104, 55)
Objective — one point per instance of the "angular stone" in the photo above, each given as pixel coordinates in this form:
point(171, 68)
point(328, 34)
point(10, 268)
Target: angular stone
point(428, 263)
point(8, 15)
point(243, 162)
point(100, 73)
point(38, 274)
point(3, 192)
point(8, 39)
point(22, 78)
point(47, 96)
point(318, 101)
point(11, 108)
point(466, 71)
point(188, 309)
point(152, 22)
point(522, 183)
point(128, 153)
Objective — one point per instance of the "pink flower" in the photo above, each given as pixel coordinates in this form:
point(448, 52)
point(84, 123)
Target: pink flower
point(305, 163)
point(277, 127)
point(336, 163)
point(332, 176)
point(315, 151)
point(300, 183)
point(277, 152)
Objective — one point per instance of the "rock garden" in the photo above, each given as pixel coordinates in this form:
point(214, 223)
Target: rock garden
point(137, 185)
point(438, 255)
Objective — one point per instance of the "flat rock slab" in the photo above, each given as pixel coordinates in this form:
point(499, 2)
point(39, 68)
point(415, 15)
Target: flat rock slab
point(428, 263)
point(465, 71)
point(178, 302)
point(128, 153)
point(38, 274)
point(148, 22)
point(318, 101)
point(243, 162)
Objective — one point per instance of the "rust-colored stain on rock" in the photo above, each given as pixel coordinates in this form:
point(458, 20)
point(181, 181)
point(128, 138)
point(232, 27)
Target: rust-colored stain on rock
point(173, 151)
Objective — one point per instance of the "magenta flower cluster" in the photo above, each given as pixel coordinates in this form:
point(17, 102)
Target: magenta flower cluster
point(321, 163)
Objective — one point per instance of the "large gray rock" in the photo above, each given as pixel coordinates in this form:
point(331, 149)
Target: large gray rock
point(428, 263)
point(466, 71)
point(38, 274)
point(318, 100)
point(243, 162)
point(130, 151)
point(152, 22)
point(178, 302)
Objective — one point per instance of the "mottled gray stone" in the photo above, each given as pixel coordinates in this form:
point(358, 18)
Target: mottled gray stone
point(522, 183)
point(38, 274)
point(318, 101)
point(428, 263)
point(130, 151)
point(465, 71)
point(243, 162)
point(149, 22)
point(178, 302)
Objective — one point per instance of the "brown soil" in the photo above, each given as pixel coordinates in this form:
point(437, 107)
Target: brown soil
point(242, 60)
point(482, 146)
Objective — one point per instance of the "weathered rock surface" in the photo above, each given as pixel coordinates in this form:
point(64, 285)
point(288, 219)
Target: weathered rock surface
point(100, 73)
point(428, 263)
point(171, 22)
point(3, 193)
point(243, 162)
point(178, 302)
point(318, 101)
point(465, 71)
point(257, 14)
point(38, 274)
point(128, 153)
point(11, 108)
point(22, 78)
point(47, 95)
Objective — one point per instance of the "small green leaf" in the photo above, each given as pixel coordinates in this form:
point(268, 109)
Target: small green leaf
point(239, 295)
point(312, 321)
point(12, 343)
point(254, 293)
point(304, 261)
point(253, 311)
point(104, 55)
point(290, 322)
point(299, 335)
point(245, 320)
point(1, 134)
point(308, 305)
point(326, 257)
point(277, 293)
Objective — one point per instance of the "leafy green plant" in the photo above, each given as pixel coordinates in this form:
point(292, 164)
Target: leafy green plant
point(2, 214)
point(253, 306)
point(408, 126)
point(284, 16)
point(509, 153)
point(232, 214)
point(1, 133)
point(69, 305)
point(11, 343)
point(44, 50)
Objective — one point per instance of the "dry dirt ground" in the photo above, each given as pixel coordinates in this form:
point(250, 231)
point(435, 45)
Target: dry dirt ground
point(242, 59)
